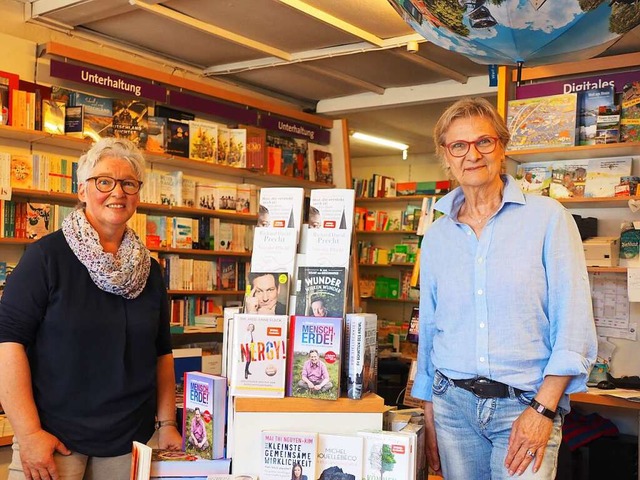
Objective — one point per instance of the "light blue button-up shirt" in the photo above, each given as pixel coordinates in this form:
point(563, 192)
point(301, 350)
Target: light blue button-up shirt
point(513, 305)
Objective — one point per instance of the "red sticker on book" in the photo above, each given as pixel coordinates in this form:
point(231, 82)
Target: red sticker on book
point(330, 357)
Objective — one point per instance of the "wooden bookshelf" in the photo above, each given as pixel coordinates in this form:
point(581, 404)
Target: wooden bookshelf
point(575, 153)
point(387, 265)
point(397, 300)
point(386, 232)
point(398, 198)
point(370, 403)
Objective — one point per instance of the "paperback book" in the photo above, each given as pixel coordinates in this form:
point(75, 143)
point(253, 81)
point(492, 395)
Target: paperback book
point(203, 141)
point(630, 113)
point(340, 455)
point(323, 166)
point(274, 250)
point(604, 174)
point(568, 178)
point(130, 121)
point(53, 116)
point(38, 216)
point(203, 419)
point(259, 355)
point(332, 208)
point(542, 122)
point(281, 207)
point(314, 361)
point(237, 154)
point(320, 291)
point(361, 353)
point(178, 141)
point(589, 103)
point(158, 135)
point(267, 293)
point(282, 451)
point(534, 178)
point(387, 455)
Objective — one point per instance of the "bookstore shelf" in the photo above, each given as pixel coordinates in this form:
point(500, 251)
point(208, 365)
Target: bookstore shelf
point(607, 269)
point(206, 292)
point(72, 198)
point(600, 202)
point(575, 153)
point(16, 241)
point(397, 300)
point(206, 253)
point(387, 265)
point(369, 403)
point(399, 198)
point(386, 232)
point(81, 145)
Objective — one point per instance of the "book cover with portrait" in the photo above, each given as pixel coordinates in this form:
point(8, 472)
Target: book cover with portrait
point(267, 293)
point(315, 346)
point(332, 207)
point(320, 291)
point(281, 207)
point(288, 455)
point(259, 353)
point(203, 418)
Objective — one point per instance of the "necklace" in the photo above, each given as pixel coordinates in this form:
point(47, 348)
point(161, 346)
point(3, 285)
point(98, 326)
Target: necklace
point(477, 220)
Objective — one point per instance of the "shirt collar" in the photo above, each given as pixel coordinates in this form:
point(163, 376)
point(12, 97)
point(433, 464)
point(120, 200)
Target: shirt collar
point(451, 203)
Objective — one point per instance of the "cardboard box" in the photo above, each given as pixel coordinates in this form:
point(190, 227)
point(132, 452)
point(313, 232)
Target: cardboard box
point(601, 251)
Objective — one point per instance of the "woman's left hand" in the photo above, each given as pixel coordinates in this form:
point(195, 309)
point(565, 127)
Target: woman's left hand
point(169, 438)
point(528, 441)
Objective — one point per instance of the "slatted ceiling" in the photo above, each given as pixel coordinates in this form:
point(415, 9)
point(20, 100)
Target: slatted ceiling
point(382, 68)
point(375, 16)
point(297, 83)
point(170, 38)
point(452, 60)
point(267, 21)
point(85, 12)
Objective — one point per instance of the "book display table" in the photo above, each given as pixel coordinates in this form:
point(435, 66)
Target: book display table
point(252, 415)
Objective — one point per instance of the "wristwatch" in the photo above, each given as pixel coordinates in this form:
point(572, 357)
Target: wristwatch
point(542, 410)
point(166, 423)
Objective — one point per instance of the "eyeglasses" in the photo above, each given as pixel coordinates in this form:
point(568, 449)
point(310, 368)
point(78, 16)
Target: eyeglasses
point(459, 148)
point(107, 184)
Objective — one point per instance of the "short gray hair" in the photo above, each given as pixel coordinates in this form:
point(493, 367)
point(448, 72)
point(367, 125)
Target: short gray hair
point(467, 108)
point(110, 147)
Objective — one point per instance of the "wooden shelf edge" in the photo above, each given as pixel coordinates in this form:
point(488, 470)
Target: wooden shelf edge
point(575, 152)
point(397, 198)
point(4, 441)
point(370, 403)
point(603, 400)
point(388, 232)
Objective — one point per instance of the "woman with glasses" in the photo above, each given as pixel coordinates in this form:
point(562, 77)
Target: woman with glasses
point(85, 345)
point(506, 324)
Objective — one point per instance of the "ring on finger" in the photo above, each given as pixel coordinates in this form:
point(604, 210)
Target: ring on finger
point(530, 454)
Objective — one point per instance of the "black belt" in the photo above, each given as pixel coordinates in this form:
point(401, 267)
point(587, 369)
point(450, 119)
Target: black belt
point(486, 388)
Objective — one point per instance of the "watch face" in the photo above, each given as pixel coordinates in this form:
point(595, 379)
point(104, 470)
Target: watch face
point(540, 409)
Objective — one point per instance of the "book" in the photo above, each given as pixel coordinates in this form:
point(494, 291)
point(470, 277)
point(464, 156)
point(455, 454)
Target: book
point(361, 353)
point(258, 355)
point(323, 166)
point(157, 135)
point(256, 147)
point(203, 141)
point(332, 208)
point(630, 112)
point(281, 207)
point(282, 451)
point(267, 293)
point(340, 456)
point(98, 114)
point(22, 171)
point(535, 178)
point(203, 419)
point(608, 125)
point(178, 141)
point(320, 291)
point(171, 188)
point(604, 174)
point(237, 154)
point(589, 103)
point(413, 332)
point(387, 455)
point(156, 234)
point(74, 121)
point(188, 192)
point(542, 122)
point(38, 220)
point(53, 116)
point(147, 462)
point(314, 357)
point(568, 178)
point(274, 250)
point(130, 121)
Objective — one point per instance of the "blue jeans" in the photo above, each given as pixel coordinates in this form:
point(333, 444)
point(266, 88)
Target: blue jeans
point(473, 434)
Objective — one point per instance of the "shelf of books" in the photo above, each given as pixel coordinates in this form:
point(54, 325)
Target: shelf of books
point(396, 199)
point(386, 232)
point(387, 265)
point(386, 299)
point(575, 152)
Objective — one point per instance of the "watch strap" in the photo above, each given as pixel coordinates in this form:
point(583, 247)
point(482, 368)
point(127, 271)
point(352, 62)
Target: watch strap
point(166, 423)
point(542, 410)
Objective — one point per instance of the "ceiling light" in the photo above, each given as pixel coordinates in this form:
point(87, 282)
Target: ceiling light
point(379, 141)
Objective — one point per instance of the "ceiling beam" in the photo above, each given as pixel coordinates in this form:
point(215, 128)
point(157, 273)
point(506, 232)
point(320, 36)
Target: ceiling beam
point(329, 72)
point(431, 65)
point(334, 21)
point(211, 29)
point(310, 55)
point(405, 96)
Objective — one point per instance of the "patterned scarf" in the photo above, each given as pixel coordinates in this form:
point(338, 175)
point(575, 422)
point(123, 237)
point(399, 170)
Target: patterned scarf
point(124, 273)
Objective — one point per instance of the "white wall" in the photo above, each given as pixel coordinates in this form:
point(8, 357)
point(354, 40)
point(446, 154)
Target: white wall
point(417, 167)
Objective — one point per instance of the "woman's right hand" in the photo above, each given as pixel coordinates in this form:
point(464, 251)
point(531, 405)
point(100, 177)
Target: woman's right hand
point(36, 455)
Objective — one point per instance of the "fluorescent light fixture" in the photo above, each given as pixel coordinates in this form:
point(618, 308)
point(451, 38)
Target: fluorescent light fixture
point(379, 141)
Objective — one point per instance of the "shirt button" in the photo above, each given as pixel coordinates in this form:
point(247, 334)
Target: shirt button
point(482, 359)
point(482, 325)
point(480, 260)
point(480, 292)
point(468, 233)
